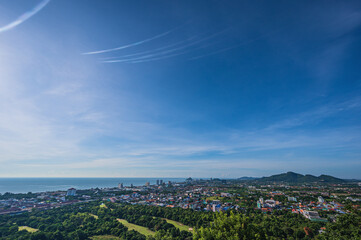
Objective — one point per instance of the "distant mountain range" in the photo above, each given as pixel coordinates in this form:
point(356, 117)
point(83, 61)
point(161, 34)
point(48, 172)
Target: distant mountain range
point(247, 178)
point(291, 177)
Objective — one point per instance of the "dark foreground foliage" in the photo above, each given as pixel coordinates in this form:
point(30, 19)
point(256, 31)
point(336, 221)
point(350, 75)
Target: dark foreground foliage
point(85, 220)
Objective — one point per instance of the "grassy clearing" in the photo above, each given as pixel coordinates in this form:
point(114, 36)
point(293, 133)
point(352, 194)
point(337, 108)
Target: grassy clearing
point(214, 198)
point(105, 206)
point(29, 229)
point(142, 230)
point(105, 237)
point(95, 216)
point(179, 225)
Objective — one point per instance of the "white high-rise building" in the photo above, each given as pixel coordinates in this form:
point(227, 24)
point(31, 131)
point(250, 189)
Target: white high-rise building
point(71, 192)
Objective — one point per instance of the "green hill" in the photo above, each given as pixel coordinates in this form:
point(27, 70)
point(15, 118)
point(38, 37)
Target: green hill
point(291, 177)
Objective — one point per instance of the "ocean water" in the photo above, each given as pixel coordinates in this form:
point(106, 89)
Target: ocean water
point(25, 185)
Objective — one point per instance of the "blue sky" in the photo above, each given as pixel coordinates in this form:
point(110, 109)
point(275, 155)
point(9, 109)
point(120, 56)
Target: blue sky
point(211, 88)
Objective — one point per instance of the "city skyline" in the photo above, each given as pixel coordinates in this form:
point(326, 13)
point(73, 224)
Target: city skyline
point(179, 88)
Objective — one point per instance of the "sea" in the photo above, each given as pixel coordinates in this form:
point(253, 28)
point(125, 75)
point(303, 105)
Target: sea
point(25, 185)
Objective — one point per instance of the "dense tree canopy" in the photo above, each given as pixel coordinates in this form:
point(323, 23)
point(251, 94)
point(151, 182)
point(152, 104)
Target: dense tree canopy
point(85, 220)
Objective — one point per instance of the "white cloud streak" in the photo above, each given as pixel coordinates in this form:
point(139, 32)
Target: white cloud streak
point(131, 44)
point(24, 16)
point(166, 54)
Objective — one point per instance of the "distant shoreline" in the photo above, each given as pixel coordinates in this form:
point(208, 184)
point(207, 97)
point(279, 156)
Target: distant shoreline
point(37, 185)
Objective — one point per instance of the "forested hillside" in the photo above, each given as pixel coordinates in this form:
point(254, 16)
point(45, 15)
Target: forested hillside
point(98, 221)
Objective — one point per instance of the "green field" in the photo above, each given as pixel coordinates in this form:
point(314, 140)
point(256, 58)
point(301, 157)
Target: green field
point(214, 198)
point(29, 229)
point(95, 216)
point(142, 230)
point(179, 225)
point(105, 237)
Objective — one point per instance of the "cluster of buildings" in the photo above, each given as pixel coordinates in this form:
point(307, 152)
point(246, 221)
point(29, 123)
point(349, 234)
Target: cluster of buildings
point(320, 205)
point(210, 195)
point(312, 215)
point(302, 200)
point(186, 197)
point(42, 201)
point(268, 205)
point(203, 195)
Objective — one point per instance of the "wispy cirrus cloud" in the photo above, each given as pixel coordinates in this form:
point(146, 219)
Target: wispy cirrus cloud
point(203, 167)
point(64, 114)
point(22, 18)
point(44, 120)
point(132, 44)
point(317, 115)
